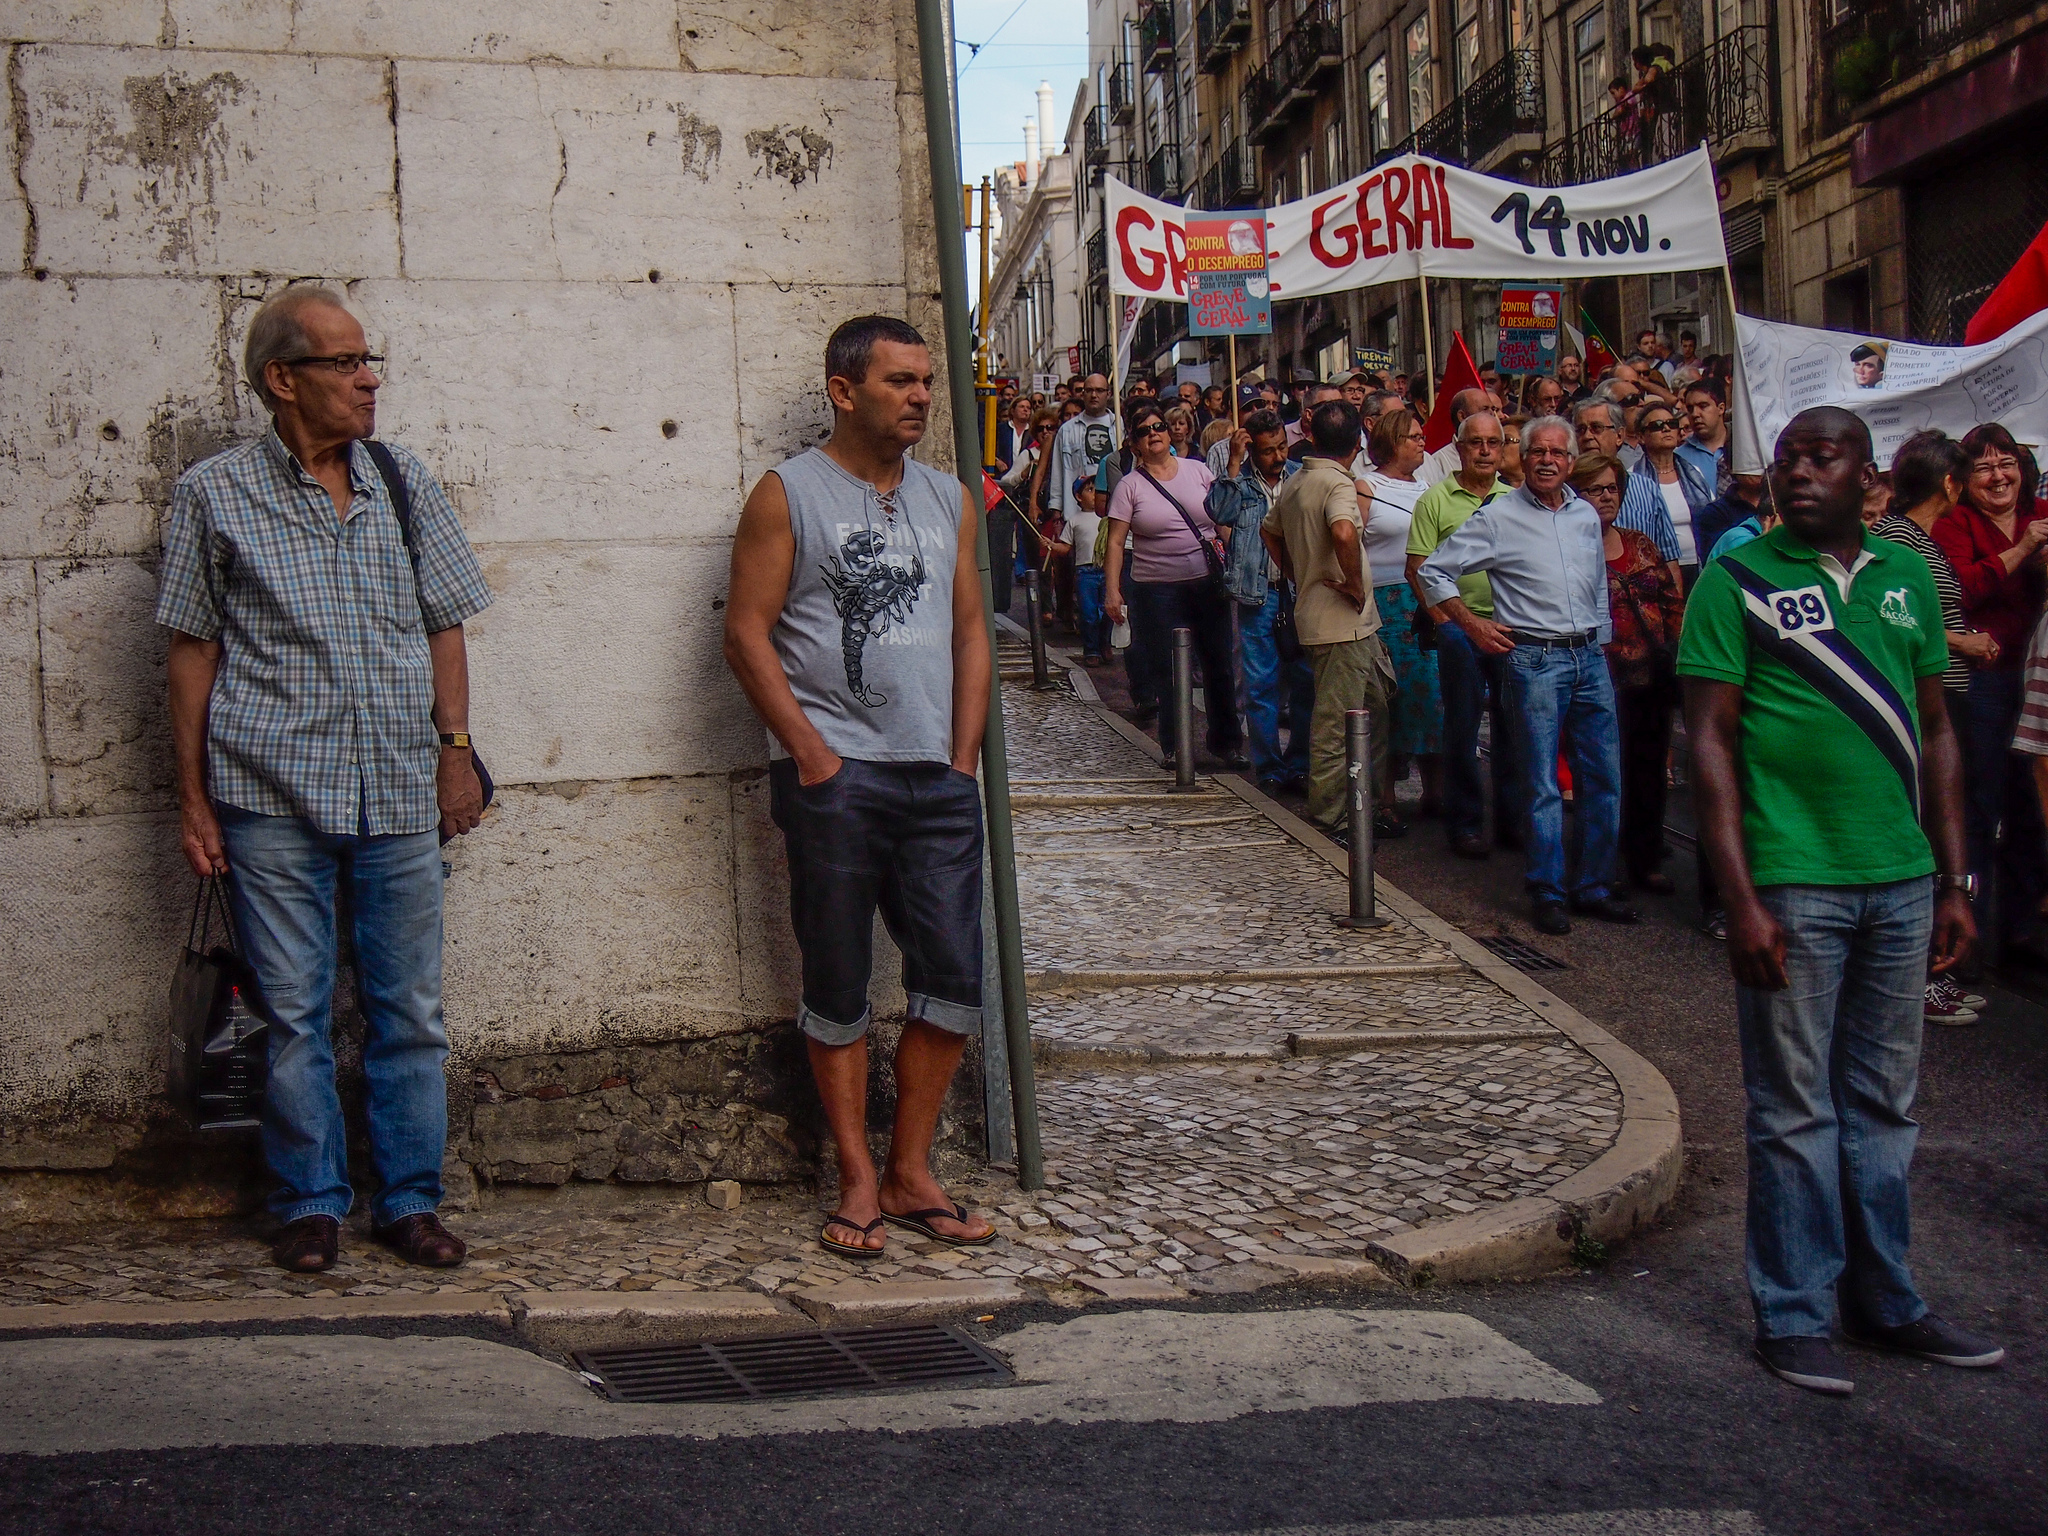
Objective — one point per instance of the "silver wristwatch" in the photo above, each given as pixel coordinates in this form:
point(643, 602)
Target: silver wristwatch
point(1967, 884)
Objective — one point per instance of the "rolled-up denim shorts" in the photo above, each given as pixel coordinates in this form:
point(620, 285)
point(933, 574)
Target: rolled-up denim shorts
point(904, 837)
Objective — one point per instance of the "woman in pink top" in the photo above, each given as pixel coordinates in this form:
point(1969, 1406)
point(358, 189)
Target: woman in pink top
point(1159, 512)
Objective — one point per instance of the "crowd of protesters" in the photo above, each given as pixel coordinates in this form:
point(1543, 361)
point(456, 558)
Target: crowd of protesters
point(1114, 508)
point(1859, 658)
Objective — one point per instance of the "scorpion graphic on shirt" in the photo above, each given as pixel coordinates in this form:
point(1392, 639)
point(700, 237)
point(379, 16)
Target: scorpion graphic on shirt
point(869, 595)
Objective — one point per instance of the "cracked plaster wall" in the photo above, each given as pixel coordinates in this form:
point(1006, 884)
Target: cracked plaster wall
point(602, 246)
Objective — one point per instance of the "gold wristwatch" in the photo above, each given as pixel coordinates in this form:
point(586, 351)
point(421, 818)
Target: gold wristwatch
point(459, 739)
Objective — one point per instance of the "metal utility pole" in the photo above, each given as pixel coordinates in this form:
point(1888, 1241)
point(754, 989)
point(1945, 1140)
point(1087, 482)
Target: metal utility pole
point(935, 63)
point(986, 396)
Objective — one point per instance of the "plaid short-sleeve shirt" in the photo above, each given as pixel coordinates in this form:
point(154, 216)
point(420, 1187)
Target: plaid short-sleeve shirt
point(323, 704)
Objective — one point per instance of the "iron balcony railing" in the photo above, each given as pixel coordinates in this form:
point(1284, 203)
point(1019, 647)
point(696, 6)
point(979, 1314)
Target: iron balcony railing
point(1123, 93)
point(1162, 173)
point(1155, 36)
point(1103, 360)
point(1220, 30)
point(1098, 254)
point(1233, 181)
point(1504, 101)
point(1095, 135)
point(1286, 83)
point(1720, 96)
point(1159, 327)
point(1875, 44)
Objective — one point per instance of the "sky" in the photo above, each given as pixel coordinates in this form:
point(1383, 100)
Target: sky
point(1024, 43)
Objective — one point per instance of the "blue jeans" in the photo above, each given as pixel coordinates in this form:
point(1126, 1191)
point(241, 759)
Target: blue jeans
point(1088, 589)
point(1265, 677)
point(1999, 793)
point(1568, 694)
point(283, 875)
point(1467, 678)
point(1830, 1066)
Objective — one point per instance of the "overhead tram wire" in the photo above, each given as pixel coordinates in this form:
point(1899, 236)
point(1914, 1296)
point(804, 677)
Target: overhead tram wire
point(974, 49)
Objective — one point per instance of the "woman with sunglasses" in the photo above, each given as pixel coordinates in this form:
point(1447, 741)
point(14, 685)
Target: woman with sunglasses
point(1685, 490)
point(1647, 609)
point(1159, 511)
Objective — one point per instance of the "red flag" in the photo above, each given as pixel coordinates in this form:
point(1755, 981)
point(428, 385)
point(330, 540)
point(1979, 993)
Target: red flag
point(2022, 292)
point(1460, 373)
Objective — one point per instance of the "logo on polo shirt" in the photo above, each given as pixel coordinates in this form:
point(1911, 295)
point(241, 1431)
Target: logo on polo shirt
point(1895, 609)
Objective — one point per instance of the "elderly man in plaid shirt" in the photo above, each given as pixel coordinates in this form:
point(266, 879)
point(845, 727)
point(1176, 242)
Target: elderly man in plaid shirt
point(320, 713)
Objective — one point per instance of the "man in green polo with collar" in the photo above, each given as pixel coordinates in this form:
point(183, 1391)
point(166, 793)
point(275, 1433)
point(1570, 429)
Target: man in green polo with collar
point(1830, 804)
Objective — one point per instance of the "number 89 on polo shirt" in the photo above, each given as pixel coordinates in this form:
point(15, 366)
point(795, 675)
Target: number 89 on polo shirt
point(1800, 611)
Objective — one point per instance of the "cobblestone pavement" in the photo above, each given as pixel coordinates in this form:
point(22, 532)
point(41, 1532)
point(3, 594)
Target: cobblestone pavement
point(1162, 1160)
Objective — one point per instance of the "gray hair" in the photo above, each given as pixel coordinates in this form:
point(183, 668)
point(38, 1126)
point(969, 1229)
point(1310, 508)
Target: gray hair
point(276, 336)
point(1545, 424)
point(1597, 402)
point(1475, 416)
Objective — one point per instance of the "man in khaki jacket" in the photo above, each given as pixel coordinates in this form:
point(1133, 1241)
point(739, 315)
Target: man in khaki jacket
point(1315, 535)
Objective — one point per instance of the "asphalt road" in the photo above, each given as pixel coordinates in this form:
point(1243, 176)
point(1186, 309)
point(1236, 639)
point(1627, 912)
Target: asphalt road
point(1686, 1427)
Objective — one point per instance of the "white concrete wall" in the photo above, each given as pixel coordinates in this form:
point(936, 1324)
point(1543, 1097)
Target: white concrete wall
point(602, 245)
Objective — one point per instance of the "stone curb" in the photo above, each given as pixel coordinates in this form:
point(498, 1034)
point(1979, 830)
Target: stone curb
point(861, 1302)
point(489, 1307)
point(1345, 1042)
point(1104, 980)
point(566, 1320)
point(1610, 1199)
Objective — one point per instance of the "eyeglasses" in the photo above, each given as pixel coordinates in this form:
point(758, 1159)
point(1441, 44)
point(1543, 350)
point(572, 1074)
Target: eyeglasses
point(1604, 488)
point(1661, 424)
point(1989, 465)
point(341, 362)
point(1549, 453)
point(1147, 428)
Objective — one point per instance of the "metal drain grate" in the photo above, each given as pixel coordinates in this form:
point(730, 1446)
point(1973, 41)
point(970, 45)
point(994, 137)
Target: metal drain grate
point(790, 1365)
point(1521, 956)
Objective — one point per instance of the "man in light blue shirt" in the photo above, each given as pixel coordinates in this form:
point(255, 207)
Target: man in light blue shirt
point(1543, 550)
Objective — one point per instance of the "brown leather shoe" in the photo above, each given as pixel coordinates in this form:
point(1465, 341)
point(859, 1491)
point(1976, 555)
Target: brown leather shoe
point(308, 1245)
point(421, 1239)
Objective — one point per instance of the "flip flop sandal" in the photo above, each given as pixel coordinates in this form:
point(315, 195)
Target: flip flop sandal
point(920, 1222)
point(851, 1250)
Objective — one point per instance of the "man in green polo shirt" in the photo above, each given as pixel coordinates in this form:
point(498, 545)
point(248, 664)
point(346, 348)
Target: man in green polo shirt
point(1812, 660)
point(1469, 678)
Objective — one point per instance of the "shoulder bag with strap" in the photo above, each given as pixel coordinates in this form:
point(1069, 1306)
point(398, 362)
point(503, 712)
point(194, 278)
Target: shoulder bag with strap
point(401, 503)
point(1212, 549)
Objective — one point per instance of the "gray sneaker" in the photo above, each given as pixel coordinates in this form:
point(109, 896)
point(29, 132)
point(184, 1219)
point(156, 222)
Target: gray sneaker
point(1806, 1362)
point(1929, 1339)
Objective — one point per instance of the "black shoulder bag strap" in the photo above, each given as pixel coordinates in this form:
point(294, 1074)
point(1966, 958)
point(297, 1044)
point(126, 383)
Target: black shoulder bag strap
point(1211, 556)
point(401, 504)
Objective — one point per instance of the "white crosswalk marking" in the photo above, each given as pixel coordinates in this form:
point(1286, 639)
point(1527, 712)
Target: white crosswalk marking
point(1149, 1366)
point(1605, 1522)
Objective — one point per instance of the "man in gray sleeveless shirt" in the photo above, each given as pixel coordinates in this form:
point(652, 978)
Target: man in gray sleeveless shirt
point(855, 627)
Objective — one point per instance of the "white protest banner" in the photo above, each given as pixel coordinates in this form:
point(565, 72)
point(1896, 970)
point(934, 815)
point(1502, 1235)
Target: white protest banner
point(1897, 387)
point(1415, 216)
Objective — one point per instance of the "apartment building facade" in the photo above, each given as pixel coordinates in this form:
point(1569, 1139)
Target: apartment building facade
point(1878, 161)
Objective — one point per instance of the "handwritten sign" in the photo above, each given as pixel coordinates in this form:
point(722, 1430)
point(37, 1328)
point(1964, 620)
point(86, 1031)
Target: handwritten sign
point(1897, 387)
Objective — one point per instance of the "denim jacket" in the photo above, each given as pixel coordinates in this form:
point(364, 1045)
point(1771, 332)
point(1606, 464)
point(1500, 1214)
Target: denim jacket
point(1241, 505)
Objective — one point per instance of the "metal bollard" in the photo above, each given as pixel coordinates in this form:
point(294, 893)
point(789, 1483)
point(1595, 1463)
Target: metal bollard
point(1041, 679)
point(1183, 710)
point(1358, 788)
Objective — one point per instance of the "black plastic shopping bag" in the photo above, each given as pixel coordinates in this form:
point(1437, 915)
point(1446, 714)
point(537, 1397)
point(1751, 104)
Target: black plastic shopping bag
point(219, 1058)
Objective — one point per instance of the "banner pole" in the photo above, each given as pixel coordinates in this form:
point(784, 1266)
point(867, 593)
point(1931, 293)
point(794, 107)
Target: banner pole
point(1232, 365)
point(1428, 341)
point(1745, 445)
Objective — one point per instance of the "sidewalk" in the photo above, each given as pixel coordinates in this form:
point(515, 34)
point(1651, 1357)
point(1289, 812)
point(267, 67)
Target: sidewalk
point(1232, 1090)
